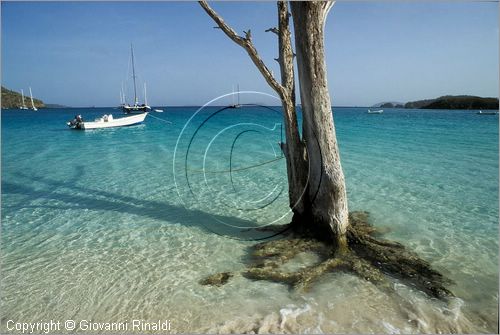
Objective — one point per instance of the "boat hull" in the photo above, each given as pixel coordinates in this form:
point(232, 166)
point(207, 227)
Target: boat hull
point(121, 122)
point(487, 113)
point(135, 109)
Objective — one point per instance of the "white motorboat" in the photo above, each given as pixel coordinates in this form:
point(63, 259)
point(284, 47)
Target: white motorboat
point(376, 112)
point(107, 121)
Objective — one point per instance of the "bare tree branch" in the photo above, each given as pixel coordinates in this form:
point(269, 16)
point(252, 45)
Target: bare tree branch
point(285, 49)
point(273, 30)
point(327, 5)
point(248, 35)
point(246, 43)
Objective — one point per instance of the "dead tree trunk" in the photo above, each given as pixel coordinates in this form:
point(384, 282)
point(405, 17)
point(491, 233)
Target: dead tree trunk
point(316, 182)
point(294, 149)
point(327, 191)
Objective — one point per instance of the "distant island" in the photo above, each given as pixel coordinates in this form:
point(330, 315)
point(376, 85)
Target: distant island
point(446, 102)
point(389, 105)
point(55, 106)
point(12, 99)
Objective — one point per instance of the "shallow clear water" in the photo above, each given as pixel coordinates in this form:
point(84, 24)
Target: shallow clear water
point(121, 224)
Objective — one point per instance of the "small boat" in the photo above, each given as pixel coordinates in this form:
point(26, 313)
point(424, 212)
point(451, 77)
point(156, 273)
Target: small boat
point(376, 112)
point(487, 113)
point(32, 103)
point(23, 106)
point(106, 121)
point(237, 105)
point(159, 110)
point(135, 108)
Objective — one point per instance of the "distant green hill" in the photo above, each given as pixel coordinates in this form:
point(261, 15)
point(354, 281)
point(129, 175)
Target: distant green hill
point(419, 103)
point(12, 99)
point(391, 105)
point(455, 102)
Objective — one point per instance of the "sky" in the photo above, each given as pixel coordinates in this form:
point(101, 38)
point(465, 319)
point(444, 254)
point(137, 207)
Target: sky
point(78, 53)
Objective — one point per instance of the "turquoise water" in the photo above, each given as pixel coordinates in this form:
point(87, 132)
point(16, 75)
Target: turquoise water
point(120, 224)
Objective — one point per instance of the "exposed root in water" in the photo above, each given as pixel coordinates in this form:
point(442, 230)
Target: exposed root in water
point(394, 259)
point(217, 279)
point(369, 257)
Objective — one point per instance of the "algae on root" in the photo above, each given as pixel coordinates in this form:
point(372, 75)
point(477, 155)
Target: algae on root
point(217, 279)
point(369, 257)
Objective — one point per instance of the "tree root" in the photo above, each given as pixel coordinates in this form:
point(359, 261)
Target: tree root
point(369, 257)
point(394, 259)
point(217, 279)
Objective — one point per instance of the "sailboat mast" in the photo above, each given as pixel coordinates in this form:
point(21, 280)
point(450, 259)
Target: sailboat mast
point(133, 75)
point(145, 95)
point(122, 95)
point(232, 97)
point(22, 95)
point(238, 94)
point(31, 96)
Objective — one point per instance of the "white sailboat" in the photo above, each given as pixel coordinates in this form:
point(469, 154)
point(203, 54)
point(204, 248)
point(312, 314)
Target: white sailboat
point(376, 112)
point(237, 105)
point(106, 121)
point(122, 97)
point(135, 108)
point(32, 103)
point(23, 106)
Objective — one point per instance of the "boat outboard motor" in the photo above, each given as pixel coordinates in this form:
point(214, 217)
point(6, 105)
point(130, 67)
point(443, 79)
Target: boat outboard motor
point(76, 122)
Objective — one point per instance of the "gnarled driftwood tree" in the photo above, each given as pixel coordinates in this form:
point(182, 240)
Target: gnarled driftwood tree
point(317, 190)
point(316, 182)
